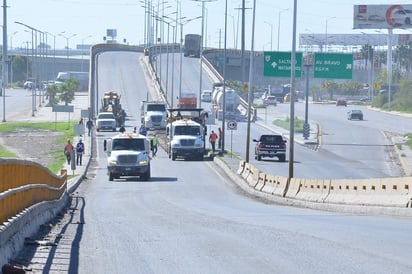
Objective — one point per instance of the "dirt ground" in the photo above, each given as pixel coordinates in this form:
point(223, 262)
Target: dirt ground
point(37, 145)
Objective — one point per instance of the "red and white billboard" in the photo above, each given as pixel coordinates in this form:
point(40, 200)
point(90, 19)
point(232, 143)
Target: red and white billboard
point(382, 16)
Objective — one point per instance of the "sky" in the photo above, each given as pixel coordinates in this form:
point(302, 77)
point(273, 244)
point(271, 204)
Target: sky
point(79, 22)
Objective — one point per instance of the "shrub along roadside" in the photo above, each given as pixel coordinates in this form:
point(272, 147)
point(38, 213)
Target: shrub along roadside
point(286, 124)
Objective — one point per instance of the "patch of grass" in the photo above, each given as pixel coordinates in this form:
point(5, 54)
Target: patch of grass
point(286, 124)
point(63, 127)
point(6, 154)
point(409, 142)
point(66, 128)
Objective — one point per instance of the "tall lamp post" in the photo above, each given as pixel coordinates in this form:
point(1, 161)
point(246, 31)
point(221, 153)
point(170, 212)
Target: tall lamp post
point(280, 12)
point(32, 57)
point(271, 34)
point(326, 32)
point(4, 63)
point(88, 36)
point(201, 45)
point(67, 41)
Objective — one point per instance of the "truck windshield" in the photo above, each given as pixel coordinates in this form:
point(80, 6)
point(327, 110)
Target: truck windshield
point(187, 130)
point(128, 144)
point(156, 107)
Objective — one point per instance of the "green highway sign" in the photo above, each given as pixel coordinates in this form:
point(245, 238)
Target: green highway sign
point(278, 64)
point(333, 66)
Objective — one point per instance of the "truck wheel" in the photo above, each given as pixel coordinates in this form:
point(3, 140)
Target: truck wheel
point(173, 156)
point(111, 176)
point(146, 175)
point(259, 157)
point(282, 158)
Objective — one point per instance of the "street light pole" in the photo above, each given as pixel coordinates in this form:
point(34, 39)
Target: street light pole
point(271, 35)
point(4, 63)
point(280, 12)
point(32, 58)
point(81, 67)
point(201, 46)
point(67, 41)
point(326, 33)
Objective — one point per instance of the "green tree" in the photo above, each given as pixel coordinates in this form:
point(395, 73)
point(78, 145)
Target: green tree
point(67, 90)
point(51, 92)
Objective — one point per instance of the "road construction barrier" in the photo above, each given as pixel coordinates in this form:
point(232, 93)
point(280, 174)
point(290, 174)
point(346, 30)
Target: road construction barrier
point(392, 192)
point(241, 167)
point(261, 183)
point(246, 171)
point(313, 190)
point(253, 176)
point(375, 192)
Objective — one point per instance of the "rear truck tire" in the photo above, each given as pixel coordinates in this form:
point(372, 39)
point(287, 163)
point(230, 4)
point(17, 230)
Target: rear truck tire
point(114, 130)
point(111, 176)
point(173, 156)
point(259, 157)
point(282, 158)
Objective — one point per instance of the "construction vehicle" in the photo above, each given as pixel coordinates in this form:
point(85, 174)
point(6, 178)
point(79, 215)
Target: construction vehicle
point(128, 155)
point(186, 131)
point(153, 115)
point(192, 45)
point(111, 103)
point(187, 100)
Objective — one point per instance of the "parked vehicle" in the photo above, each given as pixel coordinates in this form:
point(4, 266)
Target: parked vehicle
point(270, 100)
point(206, 96)
point(270, 146)
point(355, 114)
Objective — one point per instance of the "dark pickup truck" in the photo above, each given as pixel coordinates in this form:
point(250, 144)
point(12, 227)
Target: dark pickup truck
point(270, 146)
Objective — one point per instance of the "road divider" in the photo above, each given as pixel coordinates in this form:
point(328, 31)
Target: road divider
point(383, 192)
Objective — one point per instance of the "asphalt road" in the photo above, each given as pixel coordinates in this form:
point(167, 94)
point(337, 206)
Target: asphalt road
point(190, 218)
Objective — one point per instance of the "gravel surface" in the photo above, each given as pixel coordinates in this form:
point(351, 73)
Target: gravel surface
point(34, 145)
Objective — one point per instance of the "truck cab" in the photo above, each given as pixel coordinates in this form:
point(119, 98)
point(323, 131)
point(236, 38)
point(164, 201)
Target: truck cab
point(153, 115)
point(128, 155)
point(186, 131)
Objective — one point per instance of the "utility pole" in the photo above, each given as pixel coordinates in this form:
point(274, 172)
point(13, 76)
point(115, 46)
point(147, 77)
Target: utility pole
point(5, 57)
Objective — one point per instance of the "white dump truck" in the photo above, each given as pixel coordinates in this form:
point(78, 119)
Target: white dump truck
point(128, 155)
point(153, 115)
point(186, 134)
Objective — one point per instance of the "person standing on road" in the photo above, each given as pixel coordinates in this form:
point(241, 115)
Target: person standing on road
point(153, 144)
point(67, 151)
point(89, 126)
point(212, 140)
point(79, 152)
point(143, 130)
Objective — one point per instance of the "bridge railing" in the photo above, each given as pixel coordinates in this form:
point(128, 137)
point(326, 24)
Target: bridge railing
point(24, 184)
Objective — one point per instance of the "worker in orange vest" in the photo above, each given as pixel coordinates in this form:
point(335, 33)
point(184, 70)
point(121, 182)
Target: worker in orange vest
point(212, 140)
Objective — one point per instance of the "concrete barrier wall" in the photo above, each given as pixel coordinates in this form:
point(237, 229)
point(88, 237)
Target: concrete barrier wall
point(387, 192)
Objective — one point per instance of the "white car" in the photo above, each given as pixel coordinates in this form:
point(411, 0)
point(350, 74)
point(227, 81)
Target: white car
point(106, 121)
point(402, 17)
point(206, 96)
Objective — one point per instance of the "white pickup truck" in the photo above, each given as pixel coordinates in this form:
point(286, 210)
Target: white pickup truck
point(106, 121)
